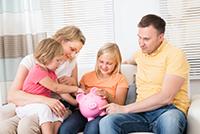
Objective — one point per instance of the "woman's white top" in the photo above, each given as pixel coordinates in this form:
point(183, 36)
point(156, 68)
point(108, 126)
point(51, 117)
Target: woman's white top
point(65, 69)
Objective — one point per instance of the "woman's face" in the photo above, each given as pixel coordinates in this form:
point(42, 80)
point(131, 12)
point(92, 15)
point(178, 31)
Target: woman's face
point(71, 48)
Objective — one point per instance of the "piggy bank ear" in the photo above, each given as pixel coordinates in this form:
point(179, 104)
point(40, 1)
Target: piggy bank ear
point(93, 90)
point(79, 97)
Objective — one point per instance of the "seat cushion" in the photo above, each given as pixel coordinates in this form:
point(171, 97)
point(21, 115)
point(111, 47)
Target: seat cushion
point(131, 95)
point(7, 111)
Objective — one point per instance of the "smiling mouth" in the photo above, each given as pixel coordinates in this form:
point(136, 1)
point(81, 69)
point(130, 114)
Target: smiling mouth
point(104, 70)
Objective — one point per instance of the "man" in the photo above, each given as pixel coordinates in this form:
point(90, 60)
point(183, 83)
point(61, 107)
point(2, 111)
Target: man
point(162, 86)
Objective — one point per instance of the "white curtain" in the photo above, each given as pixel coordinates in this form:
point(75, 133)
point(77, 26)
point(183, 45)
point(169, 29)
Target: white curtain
point(183, 29)
point(93, 17)
point(24, 22)
point(20, 30)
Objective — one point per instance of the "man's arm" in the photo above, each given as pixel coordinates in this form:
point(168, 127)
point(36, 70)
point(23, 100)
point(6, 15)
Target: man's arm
point(171, 85)
point(130, 61)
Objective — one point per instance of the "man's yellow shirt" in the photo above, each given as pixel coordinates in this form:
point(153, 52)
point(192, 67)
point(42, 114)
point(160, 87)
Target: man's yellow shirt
point(152, 68)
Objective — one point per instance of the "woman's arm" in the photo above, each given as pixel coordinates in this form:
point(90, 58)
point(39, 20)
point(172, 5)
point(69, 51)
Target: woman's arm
point(75, 75)
point(73, 81)
point(68, 97)
point(19, 97)
point(70, 80)
point(15, 94)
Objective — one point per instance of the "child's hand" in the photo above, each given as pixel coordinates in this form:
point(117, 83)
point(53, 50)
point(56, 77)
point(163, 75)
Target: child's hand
point(67, 80)
point(101, 92)
point(80, 91)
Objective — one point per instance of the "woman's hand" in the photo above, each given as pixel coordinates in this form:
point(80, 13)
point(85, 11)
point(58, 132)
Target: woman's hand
point(56, 106)
point(67, 80)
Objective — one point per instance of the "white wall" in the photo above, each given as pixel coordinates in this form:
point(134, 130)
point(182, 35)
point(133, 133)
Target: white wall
point(127, 14)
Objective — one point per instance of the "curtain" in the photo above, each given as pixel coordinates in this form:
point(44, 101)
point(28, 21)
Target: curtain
point(183, 29)
point(95, 18)
point(21, 28)
point(24, 22)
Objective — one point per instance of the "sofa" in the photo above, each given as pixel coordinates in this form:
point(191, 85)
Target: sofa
point(7, 111)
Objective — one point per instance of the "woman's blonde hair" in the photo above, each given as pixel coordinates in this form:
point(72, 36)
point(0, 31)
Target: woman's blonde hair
point(69, 33)
point(47, 49)
point(112, 50)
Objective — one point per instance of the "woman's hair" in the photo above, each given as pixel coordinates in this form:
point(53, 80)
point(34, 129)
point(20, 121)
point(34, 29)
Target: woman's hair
point(157, 22)
point(69, 33)
point(47, 49)
point(112, 50)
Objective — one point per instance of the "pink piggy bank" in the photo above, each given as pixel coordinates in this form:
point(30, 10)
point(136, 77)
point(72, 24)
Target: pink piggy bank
point(90, 103)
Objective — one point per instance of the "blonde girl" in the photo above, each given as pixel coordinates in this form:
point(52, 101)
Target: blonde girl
point(107, 77)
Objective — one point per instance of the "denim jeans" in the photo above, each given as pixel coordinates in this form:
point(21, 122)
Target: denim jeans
point(74, 123)
point(92, 127)
point(165, 120)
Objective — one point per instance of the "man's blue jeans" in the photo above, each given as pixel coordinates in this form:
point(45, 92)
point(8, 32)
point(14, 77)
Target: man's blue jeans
point(165, 120)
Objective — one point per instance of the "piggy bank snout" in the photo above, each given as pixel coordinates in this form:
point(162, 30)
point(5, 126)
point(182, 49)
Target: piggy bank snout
point(92, 105)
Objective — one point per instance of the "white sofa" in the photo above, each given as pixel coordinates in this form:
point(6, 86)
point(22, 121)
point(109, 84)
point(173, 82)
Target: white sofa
point(129, 71)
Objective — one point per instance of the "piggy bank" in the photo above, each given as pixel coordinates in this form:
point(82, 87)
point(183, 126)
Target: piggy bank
point(90, 103)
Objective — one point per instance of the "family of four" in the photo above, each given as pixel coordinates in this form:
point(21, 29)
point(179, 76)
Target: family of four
point(46, 84)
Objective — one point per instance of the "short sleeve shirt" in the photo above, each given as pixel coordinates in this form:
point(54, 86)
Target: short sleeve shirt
point(65, 69)
point(91, 80)
point(35, 75)
point(152, 68)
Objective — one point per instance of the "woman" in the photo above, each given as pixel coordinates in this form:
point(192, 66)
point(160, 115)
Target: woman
point(72, 40)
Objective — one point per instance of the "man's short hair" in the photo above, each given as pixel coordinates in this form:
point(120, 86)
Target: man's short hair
point(157, 22)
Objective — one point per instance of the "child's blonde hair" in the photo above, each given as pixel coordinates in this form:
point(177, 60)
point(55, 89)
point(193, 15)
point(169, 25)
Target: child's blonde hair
point(47, 49)
point(113, 51)
point(69, 33)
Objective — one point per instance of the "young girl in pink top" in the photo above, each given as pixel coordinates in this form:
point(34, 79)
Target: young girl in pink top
point(41, 80)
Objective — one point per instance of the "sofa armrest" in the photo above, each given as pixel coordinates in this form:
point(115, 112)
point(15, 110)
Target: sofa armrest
point(7, 111)
point(193, 116)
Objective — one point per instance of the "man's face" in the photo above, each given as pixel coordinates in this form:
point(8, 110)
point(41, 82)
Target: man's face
point(149, 39)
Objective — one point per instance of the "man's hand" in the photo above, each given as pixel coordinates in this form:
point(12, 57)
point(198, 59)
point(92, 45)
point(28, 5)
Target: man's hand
point(114, 108)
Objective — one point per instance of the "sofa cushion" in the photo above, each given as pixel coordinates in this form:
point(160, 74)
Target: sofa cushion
point(129, 72)
point(7, 111)
point(131, 95)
